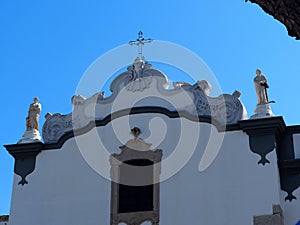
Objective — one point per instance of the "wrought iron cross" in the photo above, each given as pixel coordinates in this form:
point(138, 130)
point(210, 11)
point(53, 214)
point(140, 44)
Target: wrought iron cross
point(140, 42)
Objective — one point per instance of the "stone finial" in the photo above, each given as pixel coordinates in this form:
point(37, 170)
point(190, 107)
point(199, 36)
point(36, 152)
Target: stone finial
point(140, 42)
point(32, 123)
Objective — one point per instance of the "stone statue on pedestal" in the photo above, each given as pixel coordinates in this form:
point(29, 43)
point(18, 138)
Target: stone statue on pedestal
point(263, 108)
point(32, 123)
point(261, 86)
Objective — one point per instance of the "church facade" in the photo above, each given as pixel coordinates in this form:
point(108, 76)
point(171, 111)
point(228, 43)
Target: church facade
point(154, 154)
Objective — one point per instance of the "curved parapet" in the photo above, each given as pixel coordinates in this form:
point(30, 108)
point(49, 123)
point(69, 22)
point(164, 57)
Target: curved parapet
point(143, 87)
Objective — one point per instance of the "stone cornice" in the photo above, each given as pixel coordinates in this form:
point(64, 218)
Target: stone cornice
point(264, 135)
point(25, 157)
point(271, 125)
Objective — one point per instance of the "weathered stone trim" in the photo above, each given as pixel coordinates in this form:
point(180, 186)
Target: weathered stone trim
point(25, 157)
point(274, 219)
point(134, 218)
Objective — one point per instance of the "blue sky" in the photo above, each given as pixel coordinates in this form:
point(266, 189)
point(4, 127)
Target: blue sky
point(46, 46)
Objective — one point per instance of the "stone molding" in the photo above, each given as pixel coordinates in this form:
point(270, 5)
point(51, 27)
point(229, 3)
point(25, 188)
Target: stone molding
point(134, 218)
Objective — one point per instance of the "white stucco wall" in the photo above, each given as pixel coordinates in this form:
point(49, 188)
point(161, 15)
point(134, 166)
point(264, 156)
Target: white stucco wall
point(65, 189)
point(61, 190)
point(230, 191)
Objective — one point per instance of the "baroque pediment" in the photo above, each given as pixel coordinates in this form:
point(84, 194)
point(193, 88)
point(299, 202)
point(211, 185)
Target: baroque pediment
point(142, 87)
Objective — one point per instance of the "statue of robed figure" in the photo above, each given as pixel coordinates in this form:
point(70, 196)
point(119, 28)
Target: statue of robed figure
point(263, 108)
point(32, 123)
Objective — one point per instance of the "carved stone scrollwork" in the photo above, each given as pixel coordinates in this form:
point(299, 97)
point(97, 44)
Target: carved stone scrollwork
point(141, 75)
point(55, 126)
point(225, 109)
point(145, 81)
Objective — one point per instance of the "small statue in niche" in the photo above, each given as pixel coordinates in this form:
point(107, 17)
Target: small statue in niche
point(261, 85)
point(32, 121)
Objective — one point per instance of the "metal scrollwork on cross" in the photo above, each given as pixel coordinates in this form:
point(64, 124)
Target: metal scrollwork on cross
point(140, 42)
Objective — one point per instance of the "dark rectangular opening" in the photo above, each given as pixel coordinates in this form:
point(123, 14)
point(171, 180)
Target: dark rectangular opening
point(136, 198)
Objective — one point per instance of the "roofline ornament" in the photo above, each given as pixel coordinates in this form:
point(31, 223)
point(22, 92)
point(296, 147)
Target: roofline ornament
point(140, 41)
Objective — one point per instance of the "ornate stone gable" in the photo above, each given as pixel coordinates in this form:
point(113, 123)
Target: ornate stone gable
point(144, 87)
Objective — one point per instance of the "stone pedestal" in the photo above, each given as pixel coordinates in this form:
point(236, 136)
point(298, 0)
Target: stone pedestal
point(262, 111)
point(30, 136)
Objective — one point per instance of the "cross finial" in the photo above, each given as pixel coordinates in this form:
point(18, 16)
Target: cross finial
point(140, 34)
point(140, 42)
